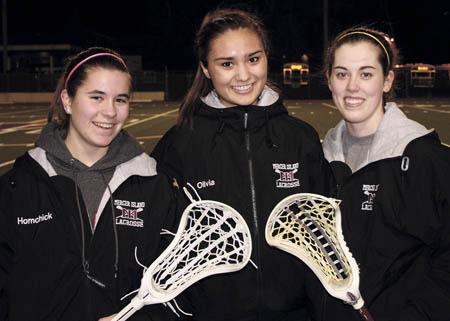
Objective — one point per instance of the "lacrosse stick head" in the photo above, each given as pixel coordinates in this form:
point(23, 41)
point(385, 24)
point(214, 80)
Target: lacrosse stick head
point(309, 227)
point(212, 238)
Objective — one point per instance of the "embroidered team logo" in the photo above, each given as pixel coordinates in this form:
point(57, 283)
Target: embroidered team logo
point(129, 213)
point(287, 175)
point(370, 192)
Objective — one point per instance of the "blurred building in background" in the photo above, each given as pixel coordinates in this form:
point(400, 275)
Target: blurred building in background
point(36, 68)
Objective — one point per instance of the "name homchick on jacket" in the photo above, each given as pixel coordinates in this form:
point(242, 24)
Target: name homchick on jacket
point(35, 220)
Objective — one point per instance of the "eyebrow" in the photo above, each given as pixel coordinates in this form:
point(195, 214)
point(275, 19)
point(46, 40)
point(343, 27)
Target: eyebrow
point(231, 58)
point(255, 53)
point(363, 67)
point(124, 95)
point(99, 92)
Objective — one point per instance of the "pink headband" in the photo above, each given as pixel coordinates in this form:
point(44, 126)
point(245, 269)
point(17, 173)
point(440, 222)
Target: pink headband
point(89, 58)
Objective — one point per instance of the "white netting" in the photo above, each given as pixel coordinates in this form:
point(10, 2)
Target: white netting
point(310, 224)
point(309, 227)
point(213, 239)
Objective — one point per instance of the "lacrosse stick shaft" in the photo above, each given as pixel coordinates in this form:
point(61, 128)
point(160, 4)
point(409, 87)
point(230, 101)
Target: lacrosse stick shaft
point(365, 314)
point(129, 310)
point(125, 313)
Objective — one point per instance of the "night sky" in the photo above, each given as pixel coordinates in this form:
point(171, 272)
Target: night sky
point(163, 31)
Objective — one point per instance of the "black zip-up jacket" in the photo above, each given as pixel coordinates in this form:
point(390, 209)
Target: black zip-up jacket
point(42, 277)
point(250, 157)
point(396, 221)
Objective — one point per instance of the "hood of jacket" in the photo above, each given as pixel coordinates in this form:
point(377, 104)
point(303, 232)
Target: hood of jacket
point(394, 133)
point(122, 149)
point(241, 118)
point(269, 105)
point(124, 158)
point(267, 98)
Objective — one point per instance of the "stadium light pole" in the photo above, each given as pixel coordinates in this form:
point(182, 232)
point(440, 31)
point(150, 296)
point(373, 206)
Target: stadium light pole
point(4, 37)
point(325, 24)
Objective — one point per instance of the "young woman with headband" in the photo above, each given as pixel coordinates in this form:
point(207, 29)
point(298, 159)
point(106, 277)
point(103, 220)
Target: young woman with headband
point(74, 208)
point(394, 183)
point(236, 143)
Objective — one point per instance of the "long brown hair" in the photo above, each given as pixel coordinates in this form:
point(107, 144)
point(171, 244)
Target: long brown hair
point(214, 24)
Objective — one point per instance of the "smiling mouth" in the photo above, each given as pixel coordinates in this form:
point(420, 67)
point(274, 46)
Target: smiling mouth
point(103, 125)
point(353, 101)
point(242, 89)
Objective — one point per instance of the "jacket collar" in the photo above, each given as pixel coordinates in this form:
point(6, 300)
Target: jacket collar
point(234, 117)
point(141, 165)
point(394, 133)
point(267, 98)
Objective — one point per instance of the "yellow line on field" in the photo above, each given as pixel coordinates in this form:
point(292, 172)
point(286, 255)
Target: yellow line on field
point(17, 145)
point(24, 127)
point(22, 111)
point(7, 163)
point(149, 137)
point(428, 108)
point(151, 118)
point(12, 122)
point(328, 105)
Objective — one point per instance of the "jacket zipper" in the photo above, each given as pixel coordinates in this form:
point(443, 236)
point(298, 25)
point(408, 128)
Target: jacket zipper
point(85, 259)
point(250, 170)
point(254, 210)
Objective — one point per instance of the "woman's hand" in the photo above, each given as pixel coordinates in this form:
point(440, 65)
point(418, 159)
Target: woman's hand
point(109, 318)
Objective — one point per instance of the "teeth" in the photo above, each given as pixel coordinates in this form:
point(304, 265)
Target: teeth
point(242, 88)
point(353, 101)
point(103, 125)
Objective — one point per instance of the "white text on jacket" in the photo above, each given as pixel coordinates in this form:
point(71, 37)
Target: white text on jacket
point(35, 220)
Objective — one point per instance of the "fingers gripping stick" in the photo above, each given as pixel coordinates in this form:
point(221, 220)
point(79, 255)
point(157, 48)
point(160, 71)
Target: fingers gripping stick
point(309, 227)
point(212, 238)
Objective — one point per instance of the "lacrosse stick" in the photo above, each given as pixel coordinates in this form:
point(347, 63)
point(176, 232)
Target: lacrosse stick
point(309, 227)
point(212, 238)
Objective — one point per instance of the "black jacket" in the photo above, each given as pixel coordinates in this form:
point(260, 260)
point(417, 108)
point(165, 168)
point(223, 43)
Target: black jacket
point(250, 158)
point(396, 221)
point(41, 272)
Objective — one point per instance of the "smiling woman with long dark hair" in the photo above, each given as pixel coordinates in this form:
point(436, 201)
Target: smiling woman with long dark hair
point(236, 143)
